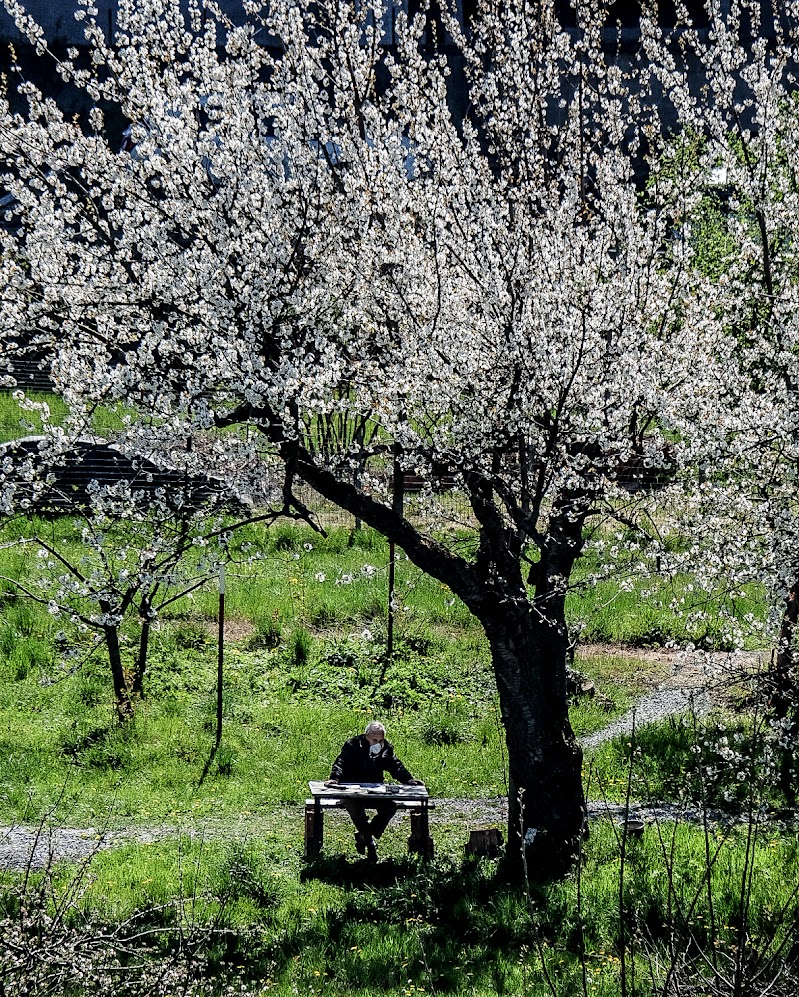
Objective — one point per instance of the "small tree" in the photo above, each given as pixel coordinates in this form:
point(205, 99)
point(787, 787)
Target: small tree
point(745, 136)
point(111, 555)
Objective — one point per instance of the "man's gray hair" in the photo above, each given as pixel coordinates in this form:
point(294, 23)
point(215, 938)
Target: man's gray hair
point(375, 727)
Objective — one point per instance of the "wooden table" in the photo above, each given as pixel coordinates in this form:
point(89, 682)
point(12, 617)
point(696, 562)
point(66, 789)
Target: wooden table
point(414, 799)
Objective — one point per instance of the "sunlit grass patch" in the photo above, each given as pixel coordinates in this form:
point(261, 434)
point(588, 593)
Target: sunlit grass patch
point(15, 422)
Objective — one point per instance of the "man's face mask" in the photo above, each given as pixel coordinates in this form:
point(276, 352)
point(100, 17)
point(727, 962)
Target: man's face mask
point(375, 749)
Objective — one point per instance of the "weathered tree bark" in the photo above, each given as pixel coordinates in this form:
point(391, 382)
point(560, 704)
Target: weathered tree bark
point(546, 808)
point(530, 652)
point(140, 665)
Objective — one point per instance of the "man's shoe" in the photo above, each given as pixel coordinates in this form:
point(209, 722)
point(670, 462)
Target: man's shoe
point(360, 843)
point(371, 850)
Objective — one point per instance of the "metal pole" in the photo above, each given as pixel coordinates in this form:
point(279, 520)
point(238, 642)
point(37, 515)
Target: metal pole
point(359, 438)
point(220, 654)
point(390, 628)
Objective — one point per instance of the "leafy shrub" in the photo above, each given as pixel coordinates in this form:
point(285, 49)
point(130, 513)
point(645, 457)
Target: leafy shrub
point(324, 615)
point(245, 875)
point(88, 693)
point(285, 538)
point(300, 647)
point(712, 763)
point(98, 747)
point(174, 669)
point(355, 672)
point(49, 946)
point(446, 726)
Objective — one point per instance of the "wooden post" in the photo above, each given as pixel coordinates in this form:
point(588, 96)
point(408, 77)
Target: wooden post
point(420, 841)
point(314, 828)
point(390, 624)
point(359, 467)
point(220, 655)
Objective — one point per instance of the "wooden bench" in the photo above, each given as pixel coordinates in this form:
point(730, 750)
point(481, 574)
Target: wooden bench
point(324, 801)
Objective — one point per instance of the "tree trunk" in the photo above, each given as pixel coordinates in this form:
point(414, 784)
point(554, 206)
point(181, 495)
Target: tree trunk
point(137, 687)
point(784, 698)
point(546, 806)
point(121, 691)
point(530, 652)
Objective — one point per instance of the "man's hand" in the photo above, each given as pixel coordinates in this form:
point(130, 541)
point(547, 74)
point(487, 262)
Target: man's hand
point(415, 782)
point(332, 782)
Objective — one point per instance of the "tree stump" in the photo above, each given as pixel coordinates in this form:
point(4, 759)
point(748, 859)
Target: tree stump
point(485, 843)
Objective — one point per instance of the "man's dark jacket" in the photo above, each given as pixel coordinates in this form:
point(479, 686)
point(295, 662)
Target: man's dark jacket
point(355, 764)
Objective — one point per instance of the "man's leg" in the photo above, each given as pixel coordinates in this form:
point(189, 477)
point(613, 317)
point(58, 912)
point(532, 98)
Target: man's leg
point(358, 816)
point(385, 811)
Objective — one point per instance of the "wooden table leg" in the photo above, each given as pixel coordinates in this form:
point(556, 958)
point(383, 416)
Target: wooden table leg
point(420, 840)
point(314, 830)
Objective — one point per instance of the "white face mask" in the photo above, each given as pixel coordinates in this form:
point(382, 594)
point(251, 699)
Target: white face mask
point(375, 749)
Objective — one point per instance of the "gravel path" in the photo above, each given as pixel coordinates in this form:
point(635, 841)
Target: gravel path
point(30, 848)
point(22, 847)
point(697, 681)
point(655, 706)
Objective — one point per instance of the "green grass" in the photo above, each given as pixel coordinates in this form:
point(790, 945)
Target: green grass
point(305, 668)
point(454, 925)
point(654, 614)
point(16, 422)
point(284, 721)
point(722, 761)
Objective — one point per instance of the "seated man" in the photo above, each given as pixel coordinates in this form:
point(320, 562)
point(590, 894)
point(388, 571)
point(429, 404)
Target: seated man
point(364, 759)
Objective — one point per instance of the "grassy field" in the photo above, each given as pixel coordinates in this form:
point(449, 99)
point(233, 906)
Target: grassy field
point(211, 878)
point(255, 913)
point(304, 668)
point(40, 407)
